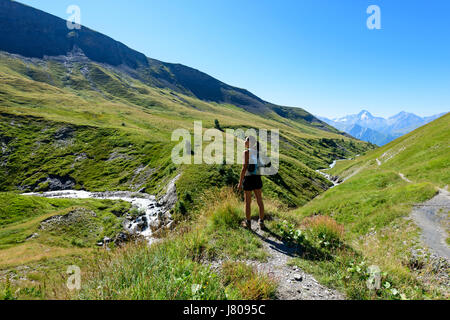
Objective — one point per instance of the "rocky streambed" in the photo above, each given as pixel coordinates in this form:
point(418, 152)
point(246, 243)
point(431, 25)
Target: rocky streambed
point(153, 215)
point(335, 180)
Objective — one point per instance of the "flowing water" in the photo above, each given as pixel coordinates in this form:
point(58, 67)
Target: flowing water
point(329, 177)
point(143, 225)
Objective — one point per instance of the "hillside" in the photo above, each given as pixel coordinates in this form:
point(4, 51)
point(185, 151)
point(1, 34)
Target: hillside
point(77, 106)
point(357, 239)
point(77, 92)
point(79, 110)
point(35, 34)
point(376, 198)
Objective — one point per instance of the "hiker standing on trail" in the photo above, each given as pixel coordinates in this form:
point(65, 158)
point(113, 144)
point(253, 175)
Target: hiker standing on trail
point(250, 180)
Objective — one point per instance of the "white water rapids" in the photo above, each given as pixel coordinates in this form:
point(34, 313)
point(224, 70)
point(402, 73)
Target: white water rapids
point(329, 177)
point(334, 180)
point(145, 203)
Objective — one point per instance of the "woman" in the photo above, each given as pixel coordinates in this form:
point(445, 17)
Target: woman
point(251, 181)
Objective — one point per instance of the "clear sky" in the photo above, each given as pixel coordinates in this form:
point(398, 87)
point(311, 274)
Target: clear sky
point(314, 54)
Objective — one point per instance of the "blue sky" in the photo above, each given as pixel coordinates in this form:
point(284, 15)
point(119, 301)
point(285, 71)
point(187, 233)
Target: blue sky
point(314, 54)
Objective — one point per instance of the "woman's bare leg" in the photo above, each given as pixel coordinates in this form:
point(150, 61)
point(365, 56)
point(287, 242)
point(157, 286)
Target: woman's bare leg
point(248, 204)
point(259, 200)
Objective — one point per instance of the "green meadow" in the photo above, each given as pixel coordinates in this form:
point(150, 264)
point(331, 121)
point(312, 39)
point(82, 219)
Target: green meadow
point(100, 129)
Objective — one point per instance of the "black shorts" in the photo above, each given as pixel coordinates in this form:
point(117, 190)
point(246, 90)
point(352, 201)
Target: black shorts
point(252, 183)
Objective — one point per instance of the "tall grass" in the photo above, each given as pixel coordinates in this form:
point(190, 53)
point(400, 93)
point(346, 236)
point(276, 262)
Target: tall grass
point(227, 215)
point(163, 272)
point(326, 229)
point(245, 283)
point(178, 266)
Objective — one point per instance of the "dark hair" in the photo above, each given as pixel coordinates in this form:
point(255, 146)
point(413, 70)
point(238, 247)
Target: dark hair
point(255, 142)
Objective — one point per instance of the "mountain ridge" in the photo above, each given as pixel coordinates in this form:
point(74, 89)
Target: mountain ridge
point(26, 39)
point(379, 130)
point(130, 113)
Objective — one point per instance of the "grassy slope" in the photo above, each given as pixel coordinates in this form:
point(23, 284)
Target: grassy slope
point(168, 270)
point(107, 131)
point(21, 216)
point(371, 205)
point(136, 120)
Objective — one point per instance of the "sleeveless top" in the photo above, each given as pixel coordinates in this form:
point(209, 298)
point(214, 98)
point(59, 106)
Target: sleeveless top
point(253, 159)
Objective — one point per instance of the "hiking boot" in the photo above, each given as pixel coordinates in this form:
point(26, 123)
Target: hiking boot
point(247, 224)
point(262, 226)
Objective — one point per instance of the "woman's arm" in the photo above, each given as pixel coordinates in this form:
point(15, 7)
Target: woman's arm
point(244, 168)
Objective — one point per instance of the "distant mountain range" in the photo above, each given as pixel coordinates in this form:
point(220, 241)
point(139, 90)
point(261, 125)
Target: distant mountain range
point(378, 130)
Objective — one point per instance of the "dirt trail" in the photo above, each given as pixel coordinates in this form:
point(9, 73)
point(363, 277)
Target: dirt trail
point(432, 217)
point(404, 178)
point(293, 283)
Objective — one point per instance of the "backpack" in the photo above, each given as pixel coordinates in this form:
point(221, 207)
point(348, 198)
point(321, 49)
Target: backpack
point(253, 167)
point(258, 162)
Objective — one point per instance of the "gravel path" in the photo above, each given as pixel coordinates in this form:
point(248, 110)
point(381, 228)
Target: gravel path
point(293, 283)
point(432, 217)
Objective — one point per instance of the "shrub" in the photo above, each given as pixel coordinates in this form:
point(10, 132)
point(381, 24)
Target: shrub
point(8, 295)
point(196, 244)
point(288, 232)
point(135, 212)
point(181, 207)
point(187, 197)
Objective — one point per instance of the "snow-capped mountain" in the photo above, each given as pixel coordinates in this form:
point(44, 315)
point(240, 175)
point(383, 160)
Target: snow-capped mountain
point(378, 130)
point(364, 119)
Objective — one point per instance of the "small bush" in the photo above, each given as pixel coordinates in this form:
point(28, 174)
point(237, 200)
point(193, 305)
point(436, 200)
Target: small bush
point(187, 197)
point(288, 232)
point(7, 294)
point(135, 212)
point(379, 281)
point(181, 207)
point(78, 243)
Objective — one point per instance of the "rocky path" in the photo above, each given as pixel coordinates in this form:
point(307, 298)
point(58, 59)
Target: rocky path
point(432, 217)
point(293, 283)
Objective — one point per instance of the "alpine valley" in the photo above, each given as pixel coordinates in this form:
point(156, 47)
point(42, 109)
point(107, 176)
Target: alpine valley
point(87, 184)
